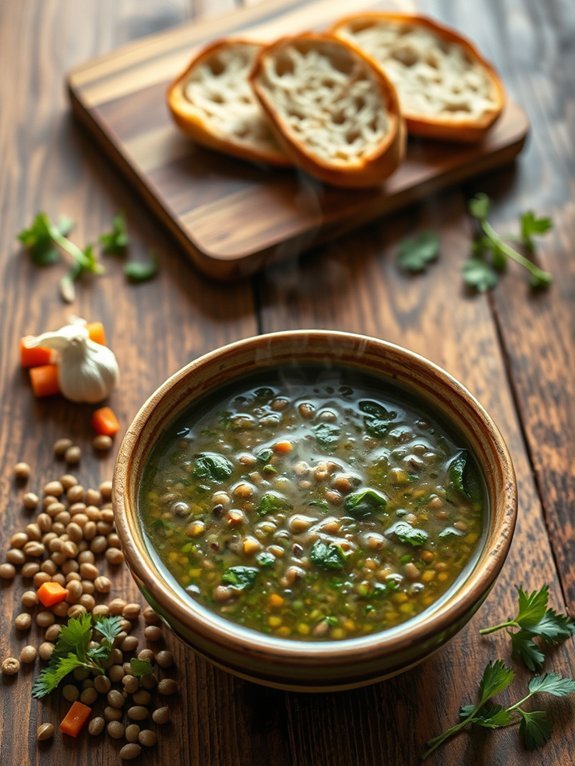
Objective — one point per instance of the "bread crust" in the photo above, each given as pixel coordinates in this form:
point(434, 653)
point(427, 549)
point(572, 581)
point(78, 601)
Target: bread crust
point(197, 123)
point(447, 126)
point(365, 171)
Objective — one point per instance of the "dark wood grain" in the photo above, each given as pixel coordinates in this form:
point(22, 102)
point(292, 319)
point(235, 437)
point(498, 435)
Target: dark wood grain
point(120, 100)
point(514, 350)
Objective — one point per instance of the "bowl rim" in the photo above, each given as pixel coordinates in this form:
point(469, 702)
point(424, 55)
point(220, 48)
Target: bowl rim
point(234, 637)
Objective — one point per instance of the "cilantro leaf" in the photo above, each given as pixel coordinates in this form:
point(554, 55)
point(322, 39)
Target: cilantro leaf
point(54, 674)
point(524, 648)
point(73, 651)
point(140, 668)
point(416, 253)
point(531, 225)
point(554, 628)
point(74, 637)
point(109, 627)
point(38, 240)
point(116, 240)
point(534, 620)
point(496, 678)
point(532, 606)
point(493, 717)
point(535, 728)
point(141, 271)
point(551, 683)
point(479, 274)
point(327, 555)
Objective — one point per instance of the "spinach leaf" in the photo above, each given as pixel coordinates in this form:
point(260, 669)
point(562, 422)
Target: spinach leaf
point(327, 555)
point(408, 534)
point(264, 455)
point(212, 466)
point(326, 435)
point(365, 501)
point(272, 502)
point(377, 418)
point(240, 578)
point(464, 478)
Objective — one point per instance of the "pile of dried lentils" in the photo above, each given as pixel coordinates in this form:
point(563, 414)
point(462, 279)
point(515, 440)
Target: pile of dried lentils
point(69, 537)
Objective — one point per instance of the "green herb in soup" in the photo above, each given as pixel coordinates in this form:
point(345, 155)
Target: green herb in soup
point(319, 506)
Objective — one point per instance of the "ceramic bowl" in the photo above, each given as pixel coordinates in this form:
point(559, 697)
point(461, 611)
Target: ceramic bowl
point(305, 665)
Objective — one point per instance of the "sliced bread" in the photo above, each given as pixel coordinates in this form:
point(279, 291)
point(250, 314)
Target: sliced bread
point(336, 115)
point(446, 88)
point(212, 102)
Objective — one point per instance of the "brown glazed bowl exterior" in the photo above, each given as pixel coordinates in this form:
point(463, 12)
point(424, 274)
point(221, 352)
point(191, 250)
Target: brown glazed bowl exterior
point(305, 665)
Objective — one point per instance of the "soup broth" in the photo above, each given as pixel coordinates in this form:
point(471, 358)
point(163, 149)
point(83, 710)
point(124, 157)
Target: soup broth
point(320, 504)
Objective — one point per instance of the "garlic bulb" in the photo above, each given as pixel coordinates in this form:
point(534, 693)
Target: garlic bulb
point(87, 371)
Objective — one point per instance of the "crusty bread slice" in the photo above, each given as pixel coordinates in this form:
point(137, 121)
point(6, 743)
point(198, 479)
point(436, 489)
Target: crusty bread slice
point(336, 114)
point(212, 102)
point(446, 88)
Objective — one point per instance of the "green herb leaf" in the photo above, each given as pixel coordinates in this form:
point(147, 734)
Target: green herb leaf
point(140, 668)
point(212, 466)
point(479, 275)
point(554, 628)
point(51, 676)
point(264, 455)
point(479, 206)
point(416, 253)
point(524, 648)
point(408, 534)
point(496, 678)
point(240, 578)
point(377, 418)
point(327, 555)
point(551, 683)
point(532, 226)
point(265, 559)
point(74, 637)
point(365, 502)
point(532, 606)
point(141, 271)
point(493, 717)
point(116, 240)
point(109, 627)
point(73, 650)
point(272, 502)
point(326, 435)
point(535, 728)
point(38, 241)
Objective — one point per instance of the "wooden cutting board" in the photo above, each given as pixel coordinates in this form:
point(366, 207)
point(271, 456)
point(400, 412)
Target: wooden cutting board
point(232, 217)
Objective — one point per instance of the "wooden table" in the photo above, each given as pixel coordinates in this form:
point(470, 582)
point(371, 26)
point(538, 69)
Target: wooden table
point(513, 348)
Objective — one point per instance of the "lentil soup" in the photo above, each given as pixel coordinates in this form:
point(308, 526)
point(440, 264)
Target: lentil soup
point(321, 504)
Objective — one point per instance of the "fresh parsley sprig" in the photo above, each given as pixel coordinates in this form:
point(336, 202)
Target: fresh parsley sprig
point(535, 726)
point(416, 253)
point(45, 240)
point(481, 273)
point(116, 240)
point(73, 650)
point(534, 619)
